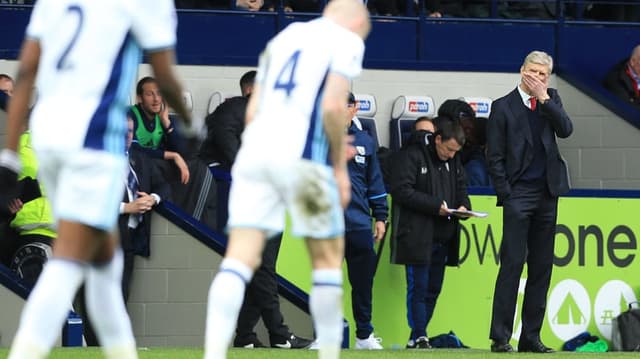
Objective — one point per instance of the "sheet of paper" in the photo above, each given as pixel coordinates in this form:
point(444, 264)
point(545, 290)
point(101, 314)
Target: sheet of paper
point(467, 214)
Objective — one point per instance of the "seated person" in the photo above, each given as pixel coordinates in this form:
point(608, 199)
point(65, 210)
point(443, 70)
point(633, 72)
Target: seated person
point(250, 5)
point(473, 151)
point(146, 188)
point(302, 5)
point(154, 133)
point(424, 123)
point(528, 10)
point(467, 8)
point(612, 10)
point(624, 79)
point(31, 233)
point(6, 84)
point(203, 4)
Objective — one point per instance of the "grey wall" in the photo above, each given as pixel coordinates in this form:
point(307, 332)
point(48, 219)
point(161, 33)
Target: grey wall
point(9, 315)
point(169, 292)
point(602, 153)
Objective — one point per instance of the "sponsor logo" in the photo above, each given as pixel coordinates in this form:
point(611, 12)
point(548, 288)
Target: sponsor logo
point(480, 107)
point(418, 106)
point(569, 309)
point(361, 150)
point(613, 298)
point(364, 105)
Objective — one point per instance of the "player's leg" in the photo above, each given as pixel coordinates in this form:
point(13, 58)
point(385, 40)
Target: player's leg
point(254, 210)
point(50, 300)
point(105, 304)
point(325, 299)
point(226, 293)
point(80, 185)
point(314, 206)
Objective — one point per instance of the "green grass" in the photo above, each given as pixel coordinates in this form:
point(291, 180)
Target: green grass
point(193, 353)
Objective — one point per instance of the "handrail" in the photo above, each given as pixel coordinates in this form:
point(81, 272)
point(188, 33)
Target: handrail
point(14, 283)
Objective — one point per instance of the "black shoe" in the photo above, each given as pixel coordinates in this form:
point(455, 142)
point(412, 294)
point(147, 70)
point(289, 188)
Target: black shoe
point(500, 347)
point(423, 343)
point(292, 342)
point(254, 343)
point(534, 347)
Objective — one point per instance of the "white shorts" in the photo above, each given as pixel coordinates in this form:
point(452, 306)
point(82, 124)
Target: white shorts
point(261, 194)
point(84, 186)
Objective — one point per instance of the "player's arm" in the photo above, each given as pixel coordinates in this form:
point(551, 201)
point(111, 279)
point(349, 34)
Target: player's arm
point(334, 106)
point(18, 107)
point(162, 63)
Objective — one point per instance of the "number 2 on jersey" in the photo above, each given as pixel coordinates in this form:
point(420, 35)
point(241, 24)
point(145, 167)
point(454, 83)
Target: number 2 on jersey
point(284, 81)
point(72, 9)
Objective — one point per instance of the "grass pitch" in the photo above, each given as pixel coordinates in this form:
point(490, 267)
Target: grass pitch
point(196, 353)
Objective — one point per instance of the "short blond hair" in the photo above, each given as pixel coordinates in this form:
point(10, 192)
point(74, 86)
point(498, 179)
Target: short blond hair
point(540, 58)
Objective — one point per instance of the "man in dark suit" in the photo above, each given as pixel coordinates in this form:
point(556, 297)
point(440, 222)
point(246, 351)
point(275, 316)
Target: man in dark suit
point(145, 189)
point(528, 175)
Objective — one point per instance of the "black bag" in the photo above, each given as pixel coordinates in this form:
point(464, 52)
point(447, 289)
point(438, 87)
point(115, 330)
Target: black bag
point(625, 330)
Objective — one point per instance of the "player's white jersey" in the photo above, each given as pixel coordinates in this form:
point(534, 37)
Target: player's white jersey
point(293, 68)
point(90, 51)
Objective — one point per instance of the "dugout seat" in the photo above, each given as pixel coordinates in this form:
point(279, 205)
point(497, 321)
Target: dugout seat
point(404, 112)
point(481, 105)
point(366, 115)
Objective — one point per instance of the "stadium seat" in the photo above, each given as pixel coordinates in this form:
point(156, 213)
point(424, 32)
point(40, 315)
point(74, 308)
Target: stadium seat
point(366, 115)
point(187, 99)
point(216, 99)
point(481, 105)
point(404, 112)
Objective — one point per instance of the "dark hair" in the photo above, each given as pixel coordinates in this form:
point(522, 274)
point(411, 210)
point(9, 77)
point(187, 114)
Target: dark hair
point(247, 80)
point(350, 98)
point(143, 81)
point(456, 109)
point(448, 129)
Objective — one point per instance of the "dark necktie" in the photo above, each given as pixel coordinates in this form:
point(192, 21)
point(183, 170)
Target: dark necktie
point(533, 102)
point(132, 183)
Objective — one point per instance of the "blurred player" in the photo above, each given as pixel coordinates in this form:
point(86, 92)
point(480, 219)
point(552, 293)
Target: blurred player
point(293, 157)
point(85, 54)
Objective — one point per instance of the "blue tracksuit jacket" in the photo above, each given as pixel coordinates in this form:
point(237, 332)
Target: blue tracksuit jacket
point(368, 194)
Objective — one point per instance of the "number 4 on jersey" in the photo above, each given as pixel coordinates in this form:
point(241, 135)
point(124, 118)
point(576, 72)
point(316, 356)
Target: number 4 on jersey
point(284, 81)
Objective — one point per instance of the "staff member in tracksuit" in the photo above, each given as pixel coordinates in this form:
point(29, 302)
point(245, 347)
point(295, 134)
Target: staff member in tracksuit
point(427, 178)
point(368, 199)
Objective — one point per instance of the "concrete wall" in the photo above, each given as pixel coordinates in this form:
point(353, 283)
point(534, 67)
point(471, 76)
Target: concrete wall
point(9, 315)
point(602, 153)
point(169, 292)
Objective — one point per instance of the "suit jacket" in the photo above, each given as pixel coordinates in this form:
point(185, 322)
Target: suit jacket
point(150, 180)
point(619, 82)
point(510, 143)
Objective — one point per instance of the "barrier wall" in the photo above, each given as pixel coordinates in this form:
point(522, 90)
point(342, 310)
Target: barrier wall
point(595, 274)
